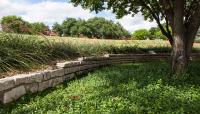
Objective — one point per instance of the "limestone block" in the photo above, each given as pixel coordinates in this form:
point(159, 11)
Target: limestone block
point(28, 78)
point(44, 85)
point(57, 73)
point(57, 81)
point(46, 75)
point(68, 64)
point(71, 70)
point(94, 58)
point(33, 88)
point(6, 83)
point(13, 94)
point(68, 76)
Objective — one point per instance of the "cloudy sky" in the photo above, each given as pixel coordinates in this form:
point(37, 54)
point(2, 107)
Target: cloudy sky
point(51, 11)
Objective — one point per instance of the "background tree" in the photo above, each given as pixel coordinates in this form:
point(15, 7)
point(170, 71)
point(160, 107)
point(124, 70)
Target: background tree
point(155, 33)
point(58, 28)
point(96, 27)
point(141, 34)
point(183, 16)
point(67, 25)
point(39, 28)
point(15, 24)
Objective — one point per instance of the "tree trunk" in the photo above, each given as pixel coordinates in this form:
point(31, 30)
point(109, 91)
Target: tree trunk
point(179, 60)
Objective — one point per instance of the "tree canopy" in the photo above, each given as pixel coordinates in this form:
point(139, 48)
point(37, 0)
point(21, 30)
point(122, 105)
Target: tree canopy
point(14, 24)
point(39, 28)
point(95, 27)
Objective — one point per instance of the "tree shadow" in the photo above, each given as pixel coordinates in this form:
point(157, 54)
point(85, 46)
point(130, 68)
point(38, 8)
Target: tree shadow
point(148, 87)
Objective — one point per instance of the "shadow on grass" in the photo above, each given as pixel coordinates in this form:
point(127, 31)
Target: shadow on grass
point(149, 88)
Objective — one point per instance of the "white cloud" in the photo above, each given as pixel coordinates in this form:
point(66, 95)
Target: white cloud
point(51, 12)
point(54, 11)
point(46, 11)
point(136, 22)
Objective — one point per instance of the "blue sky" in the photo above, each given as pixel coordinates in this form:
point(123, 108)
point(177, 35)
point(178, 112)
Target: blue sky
point(51, 11)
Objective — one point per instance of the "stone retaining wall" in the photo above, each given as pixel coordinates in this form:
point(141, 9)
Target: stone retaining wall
point(12, 88)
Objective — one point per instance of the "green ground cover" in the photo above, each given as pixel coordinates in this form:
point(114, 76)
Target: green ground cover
point(121, 89)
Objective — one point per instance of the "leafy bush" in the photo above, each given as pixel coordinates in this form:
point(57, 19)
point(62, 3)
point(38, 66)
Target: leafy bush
point(14, 24)
point(159, 35)
point(141, 34)
point(39, 28)
point(152, 34)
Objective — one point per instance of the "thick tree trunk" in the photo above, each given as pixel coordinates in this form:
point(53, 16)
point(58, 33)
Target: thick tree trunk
point(179, 60)
point(192, 31)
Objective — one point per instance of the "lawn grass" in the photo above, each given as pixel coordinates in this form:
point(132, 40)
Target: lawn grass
point(121, 89)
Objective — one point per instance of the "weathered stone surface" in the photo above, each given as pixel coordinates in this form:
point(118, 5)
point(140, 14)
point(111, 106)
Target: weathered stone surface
point(7, 83)
point(68, 64)
point(71, 76)
point(13, 94)
point(44, 85)
point(71, 70)
point(86, 67)
point(46, 75)
point(57, 73)
point(33, 88)
point(100, 58)
point(57, 81)
point(152, 52)
point(28, 78)
point(81, 72)
point(68, 76)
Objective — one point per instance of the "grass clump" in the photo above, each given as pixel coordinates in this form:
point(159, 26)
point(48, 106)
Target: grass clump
point(121, 89)
point(25, 52)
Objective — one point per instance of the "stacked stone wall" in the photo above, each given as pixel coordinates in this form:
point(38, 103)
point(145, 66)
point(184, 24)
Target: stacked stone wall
point(12, 88)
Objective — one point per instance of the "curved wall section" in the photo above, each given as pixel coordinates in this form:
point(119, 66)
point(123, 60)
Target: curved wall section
point(12, 88)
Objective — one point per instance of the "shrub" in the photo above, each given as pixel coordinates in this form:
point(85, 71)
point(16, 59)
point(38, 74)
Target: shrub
point(159, 35)
point(14, 24)
point(39, 28)
point(141, 34)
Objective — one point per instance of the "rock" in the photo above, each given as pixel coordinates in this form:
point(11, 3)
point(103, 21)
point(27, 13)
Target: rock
point(68, 64)
point(44, 85)
point(6, 83)
point(33, 88)
point(57, 73)
point(46, 75)
point(13, 94)
point(71, 70)
point(28, 78)
point(152, 52)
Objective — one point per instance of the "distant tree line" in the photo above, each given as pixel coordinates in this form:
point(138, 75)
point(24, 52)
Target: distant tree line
point(151, 34)
point(93, 28)
point(14, 24)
